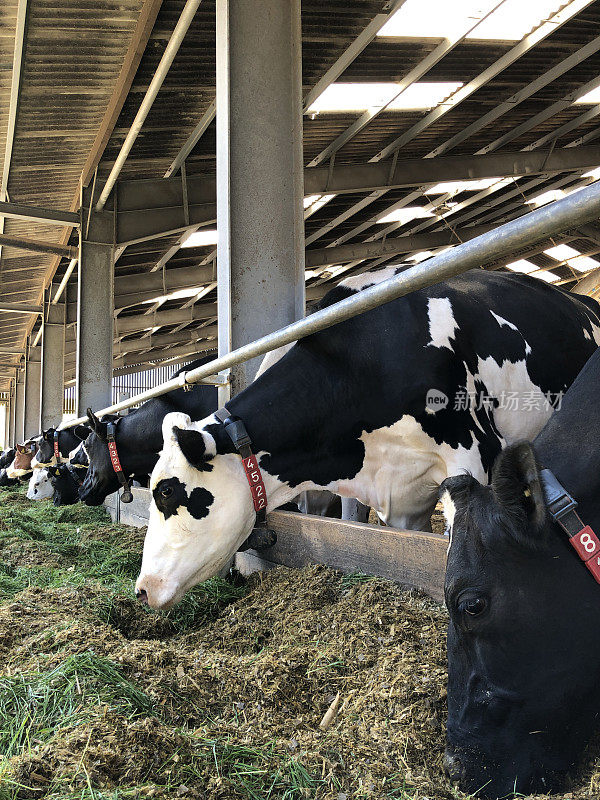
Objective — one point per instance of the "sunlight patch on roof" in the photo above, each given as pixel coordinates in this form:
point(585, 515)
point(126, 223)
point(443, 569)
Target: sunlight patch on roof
point(422, 256)
point(572, 257)
point(440, 19)
point(347, 97)
point(313, 202)
point(547, 197)
point(545, 275)
point(591, 98)
point(522, 265)
point(404, 215)
point(201, 238)
point(593, 173)
point(451, 187)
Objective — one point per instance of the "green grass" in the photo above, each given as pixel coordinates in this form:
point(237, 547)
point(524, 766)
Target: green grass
point(33, 705)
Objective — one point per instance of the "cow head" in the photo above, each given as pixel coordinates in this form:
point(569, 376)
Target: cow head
point(22, 462)
point(101, 479)
point(65, 484)
point(523, 650)
point(39, 487)
point(201, 510)
point(45, 456)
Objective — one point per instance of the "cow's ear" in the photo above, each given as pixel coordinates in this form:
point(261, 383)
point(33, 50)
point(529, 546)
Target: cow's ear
point(81, 432)
point(48, 436)
point(99, 427)
point(517, 486)
point(193, 446)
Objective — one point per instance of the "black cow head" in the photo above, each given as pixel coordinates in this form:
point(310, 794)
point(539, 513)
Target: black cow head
point(65, 482)
point(67, 439)
point(101, 479)
point(523, 650)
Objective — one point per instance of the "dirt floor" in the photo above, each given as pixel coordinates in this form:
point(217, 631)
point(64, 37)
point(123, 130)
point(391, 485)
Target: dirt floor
point(222, 697)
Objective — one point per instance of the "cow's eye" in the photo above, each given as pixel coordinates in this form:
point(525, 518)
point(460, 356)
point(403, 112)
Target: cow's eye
point(166, 492)
point(473, 606)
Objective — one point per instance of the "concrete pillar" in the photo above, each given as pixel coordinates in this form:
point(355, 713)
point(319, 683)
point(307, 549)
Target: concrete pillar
point(53, 353)
point(95, 302)
point(259, 173)
point(11, 412)
point(33, 392)
point(20, 407)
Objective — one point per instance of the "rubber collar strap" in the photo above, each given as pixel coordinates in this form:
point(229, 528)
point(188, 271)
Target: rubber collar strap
point(236, 430)
point(72, 470)
point(111, 429)
point(561, 506)
point(56, 447)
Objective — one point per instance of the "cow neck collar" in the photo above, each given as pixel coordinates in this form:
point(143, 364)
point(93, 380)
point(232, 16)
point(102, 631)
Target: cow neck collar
point(72, 470)
point(561, 506)
point(57, 455)
point(236, 430)
point(111, 430)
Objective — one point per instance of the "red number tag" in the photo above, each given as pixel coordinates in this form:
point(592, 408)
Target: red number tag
point(586, 543)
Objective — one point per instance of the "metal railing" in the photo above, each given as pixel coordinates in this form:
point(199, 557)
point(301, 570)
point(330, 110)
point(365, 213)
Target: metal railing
point(578, 208)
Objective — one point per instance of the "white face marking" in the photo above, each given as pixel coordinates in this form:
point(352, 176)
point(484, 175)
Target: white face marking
point(449, 514)
point(442, 324)
point(40, 487)
point(358, 282)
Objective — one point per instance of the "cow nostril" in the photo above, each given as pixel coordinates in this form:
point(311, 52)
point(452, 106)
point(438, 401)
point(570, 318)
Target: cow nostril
point(452, 766)
point(142, 596)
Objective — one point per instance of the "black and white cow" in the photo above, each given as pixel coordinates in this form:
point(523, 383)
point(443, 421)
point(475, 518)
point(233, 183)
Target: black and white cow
point(356, 410)
point(66, 480)
point(138, 437)
point(523, 645)
point(68, 439)
point(39, 487)
point(6, 481)
point(7, 457)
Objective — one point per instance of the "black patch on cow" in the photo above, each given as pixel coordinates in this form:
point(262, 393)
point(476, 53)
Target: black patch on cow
point(199, 501)
point(193, 447)
point(169, 494)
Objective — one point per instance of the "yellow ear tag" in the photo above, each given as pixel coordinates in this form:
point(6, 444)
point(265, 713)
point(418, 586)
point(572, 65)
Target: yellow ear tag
point(527, 493)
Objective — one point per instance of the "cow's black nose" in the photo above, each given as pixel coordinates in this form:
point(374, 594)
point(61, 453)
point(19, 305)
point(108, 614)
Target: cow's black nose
point(142, 596)
point(452, 766)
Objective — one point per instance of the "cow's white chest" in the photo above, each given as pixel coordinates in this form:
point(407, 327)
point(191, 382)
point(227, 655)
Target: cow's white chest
point(402, 469)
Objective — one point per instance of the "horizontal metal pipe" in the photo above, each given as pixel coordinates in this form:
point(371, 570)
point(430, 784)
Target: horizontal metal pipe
point(35, 214)
point(580, 207)
point(184, 22)
point(37, 246)
point(23, 308)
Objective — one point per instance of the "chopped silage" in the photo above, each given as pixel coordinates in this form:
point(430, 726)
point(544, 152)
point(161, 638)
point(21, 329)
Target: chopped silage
point(222, 697)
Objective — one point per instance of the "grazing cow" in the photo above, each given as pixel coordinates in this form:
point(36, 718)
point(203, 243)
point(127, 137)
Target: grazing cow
point(66, 480)
point(372, 408)
point(21, 465)
point(66, 441)
point(40, 487)
point(523, 645)
point(138, 437)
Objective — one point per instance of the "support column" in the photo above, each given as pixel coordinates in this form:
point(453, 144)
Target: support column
point(95, 302)
point(33, 392)
point(11, 412)
point(53, 353)
point(20, 407)
point(259, 173)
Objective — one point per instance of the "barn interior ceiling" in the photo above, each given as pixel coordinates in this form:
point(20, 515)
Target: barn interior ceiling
point(421, 129)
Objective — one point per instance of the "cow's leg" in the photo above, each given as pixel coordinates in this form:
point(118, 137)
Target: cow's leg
point(354, 510)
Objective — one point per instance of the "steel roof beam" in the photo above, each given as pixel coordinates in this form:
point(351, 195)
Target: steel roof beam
point(37, 246)
point(34, 214)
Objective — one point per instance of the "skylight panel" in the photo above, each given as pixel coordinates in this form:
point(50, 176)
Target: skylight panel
point(404, 215)
point(593, 173)
point(562, 252)
point(201, 238)
point(348, 97)
point(591, 98)
point(522, 265)
point(547, 197)
point(418, 257)
point(583, 263)
point(545, 275)
point(435, 19)
point(452, 187)
point(313, 202)
point(441, 19)
point(514, 19)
